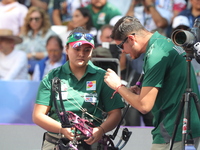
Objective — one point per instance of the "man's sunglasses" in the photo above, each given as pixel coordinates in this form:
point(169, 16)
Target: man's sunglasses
point(121, 45)
point(87, 36)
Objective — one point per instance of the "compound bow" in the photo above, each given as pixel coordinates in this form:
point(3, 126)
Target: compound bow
point(68, 119)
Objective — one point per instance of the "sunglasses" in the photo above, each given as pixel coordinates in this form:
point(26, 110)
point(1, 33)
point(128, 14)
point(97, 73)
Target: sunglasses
point(87, 36)
point(36, 19)
point(121, 45)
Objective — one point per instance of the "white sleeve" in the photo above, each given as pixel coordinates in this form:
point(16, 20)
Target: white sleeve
point(165, 14)
point(18, 66)
point(22, 16)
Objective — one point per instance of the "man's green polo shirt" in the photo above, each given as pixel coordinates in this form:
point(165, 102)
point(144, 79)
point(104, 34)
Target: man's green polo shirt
point(165, 67)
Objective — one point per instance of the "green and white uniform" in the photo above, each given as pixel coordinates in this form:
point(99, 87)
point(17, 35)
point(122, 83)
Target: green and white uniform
point(165, 67)
point(90, 92)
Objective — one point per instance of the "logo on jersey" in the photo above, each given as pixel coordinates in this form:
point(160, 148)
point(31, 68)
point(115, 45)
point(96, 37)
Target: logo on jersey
point(90, 85)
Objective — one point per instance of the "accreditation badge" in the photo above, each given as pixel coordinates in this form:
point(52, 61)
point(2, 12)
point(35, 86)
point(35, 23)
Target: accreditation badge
point(91, 85)
point(90, 97)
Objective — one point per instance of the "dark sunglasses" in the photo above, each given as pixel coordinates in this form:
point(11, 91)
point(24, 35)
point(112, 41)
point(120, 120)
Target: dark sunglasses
point(121, 45)
point(36, 19)
point(87, 36)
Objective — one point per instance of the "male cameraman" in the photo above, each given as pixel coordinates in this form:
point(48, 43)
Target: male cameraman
point(164, 83)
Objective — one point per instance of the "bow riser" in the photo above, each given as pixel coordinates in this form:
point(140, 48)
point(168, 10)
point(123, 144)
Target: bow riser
point(80, 124)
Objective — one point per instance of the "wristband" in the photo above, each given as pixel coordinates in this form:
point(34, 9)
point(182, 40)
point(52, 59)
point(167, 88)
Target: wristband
point(102, 129)
point(116, 91)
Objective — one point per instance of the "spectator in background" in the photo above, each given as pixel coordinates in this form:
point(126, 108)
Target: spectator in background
point(12, 15)
point(174, 6)
point(13, 62)
point(180, 22)
point(103, 50)
point(38, 3)
point(102, 12)
point(193, 12)
point(106, 31)
point(81, 18)
point(36, 31)
point(64, 9)
point(152, 17)
point(55, 58)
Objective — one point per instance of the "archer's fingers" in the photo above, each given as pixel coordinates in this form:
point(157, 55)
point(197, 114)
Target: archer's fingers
point(90, 140)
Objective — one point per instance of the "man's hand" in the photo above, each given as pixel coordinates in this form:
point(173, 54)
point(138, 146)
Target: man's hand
point(112, 79)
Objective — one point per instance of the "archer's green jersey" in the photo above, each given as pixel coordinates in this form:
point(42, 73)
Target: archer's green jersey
point(90, 92)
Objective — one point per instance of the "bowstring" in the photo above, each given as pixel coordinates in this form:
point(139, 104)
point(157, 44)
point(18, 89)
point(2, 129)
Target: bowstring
point(99, 120)
point(77, 105)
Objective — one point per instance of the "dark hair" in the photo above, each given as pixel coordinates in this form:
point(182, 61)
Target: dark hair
point(124, 26)
point(86, 13)
point(58, 39)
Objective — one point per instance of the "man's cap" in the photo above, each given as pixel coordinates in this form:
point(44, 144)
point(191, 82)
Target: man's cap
point(75, 43)
point(180, 21)
point(6, 33)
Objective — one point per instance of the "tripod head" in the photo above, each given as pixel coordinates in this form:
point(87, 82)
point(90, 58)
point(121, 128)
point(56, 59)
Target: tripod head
point(189, 40)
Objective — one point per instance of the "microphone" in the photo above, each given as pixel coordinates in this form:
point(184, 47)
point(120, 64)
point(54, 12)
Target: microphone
point(139, 82)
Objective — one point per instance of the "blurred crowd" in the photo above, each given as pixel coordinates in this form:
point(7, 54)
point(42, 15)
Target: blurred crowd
point(33, 33)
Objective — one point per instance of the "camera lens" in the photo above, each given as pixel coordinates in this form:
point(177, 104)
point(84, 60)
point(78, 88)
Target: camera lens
point(180, 38)
point(183, 38)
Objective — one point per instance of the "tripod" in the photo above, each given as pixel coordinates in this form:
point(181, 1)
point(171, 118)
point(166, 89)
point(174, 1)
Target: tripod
point(185, 102)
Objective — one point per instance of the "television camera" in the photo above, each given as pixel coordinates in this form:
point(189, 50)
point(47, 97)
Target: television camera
point(189, 40)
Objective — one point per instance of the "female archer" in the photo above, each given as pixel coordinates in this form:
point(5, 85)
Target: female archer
point(84, 93)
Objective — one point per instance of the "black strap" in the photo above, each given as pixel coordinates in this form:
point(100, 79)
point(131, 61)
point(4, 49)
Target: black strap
point(63, 116)
point(50, 138)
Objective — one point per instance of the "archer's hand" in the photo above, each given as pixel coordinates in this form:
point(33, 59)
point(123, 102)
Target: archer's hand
point(97, 135)
point(67, 132)
point(112, 79)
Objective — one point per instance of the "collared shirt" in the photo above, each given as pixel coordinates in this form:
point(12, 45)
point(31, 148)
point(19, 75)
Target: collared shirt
point(90, 92)
point(166, 68)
